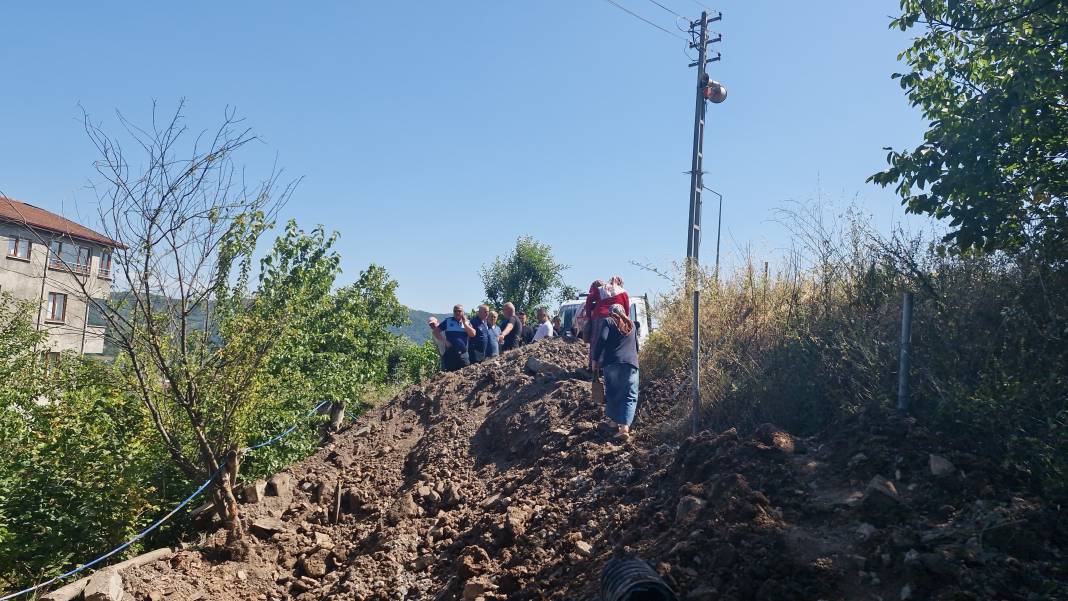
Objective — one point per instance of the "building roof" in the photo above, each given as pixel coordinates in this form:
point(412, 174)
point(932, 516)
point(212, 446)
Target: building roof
point(21, 213)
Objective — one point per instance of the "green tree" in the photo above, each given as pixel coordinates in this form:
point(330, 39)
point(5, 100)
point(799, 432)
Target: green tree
point(990, 76)
point(526, 277)
point(187, 230)
point(78, 466)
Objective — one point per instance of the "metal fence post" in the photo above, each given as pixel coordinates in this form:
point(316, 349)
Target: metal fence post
point(903, 360)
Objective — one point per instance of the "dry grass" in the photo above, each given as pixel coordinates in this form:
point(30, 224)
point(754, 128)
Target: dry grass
point(819, 339)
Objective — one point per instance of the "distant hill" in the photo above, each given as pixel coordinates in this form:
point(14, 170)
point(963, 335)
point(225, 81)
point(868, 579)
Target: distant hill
point(417, 331)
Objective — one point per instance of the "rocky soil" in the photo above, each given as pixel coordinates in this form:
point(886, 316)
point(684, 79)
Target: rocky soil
point(497, 483)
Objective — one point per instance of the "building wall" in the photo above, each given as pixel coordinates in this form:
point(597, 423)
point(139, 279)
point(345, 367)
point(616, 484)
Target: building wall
point(33, 280)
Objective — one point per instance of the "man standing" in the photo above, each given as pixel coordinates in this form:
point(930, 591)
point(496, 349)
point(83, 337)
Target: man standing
point(454, 332)
point(545, 329)
point(528, 330)
point(511, 329)
point(478, 347)
point(494, 348)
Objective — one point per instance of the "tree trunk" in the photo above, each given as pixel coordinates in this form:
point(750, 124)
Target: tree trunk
point(227, 479)
point(337, 415)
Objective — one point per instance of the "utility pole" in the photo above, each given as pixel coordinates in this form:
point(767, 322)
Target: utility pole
point(706, 90)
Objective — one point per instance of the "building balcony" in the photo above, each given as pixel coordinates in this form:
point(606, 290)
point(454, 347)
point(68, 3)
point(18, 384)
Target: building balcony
point(61, 265)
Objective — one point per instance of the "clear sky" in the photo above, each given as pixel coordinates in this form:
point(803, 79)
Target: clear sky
point(431, 135)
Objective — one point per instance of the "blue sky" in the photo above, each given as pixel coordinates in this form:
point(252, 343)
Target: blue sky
point(431, 135)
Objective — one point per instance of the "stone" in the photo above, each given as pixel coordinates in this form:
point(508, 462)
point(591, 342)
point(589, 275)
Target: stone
point(255, 492)
point(473, 589)
point(584, 548)
point(242, 575)
point(688, 508)
point(265, 527)
point(280, 485)
point(105, 585)
point(489, 501)
point(323, 540)
point(865, 531)
point(155, 596)
point(423, 562)
point(473, 560)
point(314, 565)
point(881, 501)
point(940, 466)
point(537, 366)
point(406, 506)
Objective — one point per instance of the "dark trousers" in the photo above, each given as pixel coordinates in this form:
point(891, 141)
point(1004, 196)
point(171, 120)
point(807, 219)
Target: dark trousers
point(454, 359)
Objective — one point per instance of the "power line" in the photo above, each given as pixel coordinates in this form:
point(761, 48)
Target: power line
point(667, 9)
point(647, 21)
point(702, 6)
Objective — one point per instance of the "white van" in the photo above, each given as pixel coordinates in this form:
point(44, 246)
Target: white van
point(573, 317)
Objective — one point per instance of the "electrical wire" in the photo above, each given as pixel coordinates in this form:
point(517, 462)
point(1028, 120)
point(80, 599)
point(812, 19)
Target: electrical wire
point(647, 21)
point(666, 8)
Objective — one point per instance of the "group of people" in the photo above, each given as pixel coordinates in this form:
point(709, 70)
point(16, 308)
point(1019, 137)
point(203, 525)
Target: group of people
point(607, 327)
point(463, 341)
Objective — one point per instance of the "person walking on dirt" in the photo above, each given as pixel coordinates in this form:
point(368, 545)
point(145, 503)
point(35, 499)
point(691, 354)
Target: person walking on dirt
point(608, 295)
point(511, 329)
point(617, 358)
point(454, 332)
point(527, 330)
point(545, 329)
point(494, 347)
point(478, 345)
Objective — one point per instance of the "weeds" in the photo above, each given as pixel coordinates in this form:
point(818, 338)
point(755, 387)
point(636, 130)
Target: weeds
point(818, 340)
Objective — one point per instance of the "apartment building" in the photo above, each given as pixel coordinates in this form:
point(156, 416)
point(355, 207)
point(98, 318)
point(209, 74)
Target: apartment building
point(54, 261)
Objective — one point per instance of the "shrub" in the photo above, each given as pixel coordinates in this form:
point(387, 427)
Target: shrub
point(819, 340)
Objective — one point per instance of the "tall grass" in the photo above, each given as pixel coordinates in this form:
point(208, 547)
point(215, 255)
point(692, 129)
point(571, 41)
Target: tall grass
point(818, 339)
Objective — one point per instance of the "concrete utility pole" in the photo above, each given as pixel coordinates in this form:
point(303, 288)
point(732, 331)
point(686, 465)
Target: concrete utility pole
point(714, 91)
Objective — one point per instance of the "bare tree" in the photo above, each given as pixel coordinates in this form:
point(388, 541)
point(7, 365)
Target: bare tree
point(187, 225)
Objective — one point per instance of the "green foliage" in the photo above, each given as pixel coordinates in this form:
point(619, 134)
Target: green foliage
point(568, 292)
point(526, 277)
point(820, 341)
point(989, 76)
point(413, 363)
point(79, 469)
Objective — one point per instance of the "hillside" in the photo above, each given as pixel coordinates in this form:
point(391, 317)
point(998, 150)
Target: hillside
point(416, 330)
point(495, 483)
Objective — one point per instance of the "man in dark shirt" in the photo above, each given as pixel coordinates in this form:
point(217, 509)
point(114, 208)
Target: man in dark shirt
point(478, 346)
point(528, 330)
point(511, 329)
point(454, 332)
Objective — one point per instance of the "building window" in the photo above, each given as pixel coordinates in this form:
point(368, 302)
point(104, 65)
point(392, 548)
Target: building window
point(55, 258)
point(57, 307)
point(50, 359)
point(18, 248)
point(105, 265)
point(69, 257)
point(82, 264)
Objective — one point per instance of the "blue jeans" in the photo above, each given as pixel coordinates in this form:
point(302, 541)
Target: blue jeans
point(620, 392)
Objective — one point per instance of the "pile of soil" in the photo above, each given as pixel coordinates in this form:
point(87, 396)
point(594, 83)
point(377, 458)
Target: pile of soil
point(496, 482)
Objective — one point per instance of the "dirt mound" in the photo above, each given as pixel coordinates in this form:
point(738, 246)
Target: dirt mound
point(495, 482)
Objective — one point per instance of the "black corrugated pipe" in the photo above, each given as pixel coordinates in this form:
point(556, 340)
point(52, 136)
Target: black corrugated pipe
point(628, 578)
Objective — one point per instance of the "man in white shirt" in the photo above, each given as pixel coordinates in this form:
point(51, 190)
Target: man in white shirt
point(545, 329)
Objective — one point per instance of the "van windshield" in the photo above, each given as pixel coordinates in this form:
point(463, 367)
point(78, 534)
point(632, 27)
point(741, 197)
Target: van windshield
point(567, 316)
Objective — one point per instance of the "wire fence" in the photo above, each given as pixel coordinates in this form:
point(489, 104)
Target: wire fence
point(163, 519)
